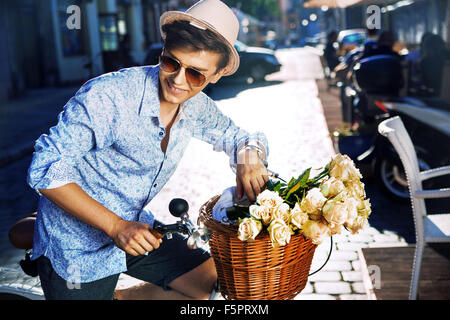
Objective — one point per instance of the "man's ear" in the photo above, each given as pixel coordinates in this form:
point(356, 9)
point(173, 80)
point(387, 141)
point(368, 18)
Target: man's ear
point(218, 75)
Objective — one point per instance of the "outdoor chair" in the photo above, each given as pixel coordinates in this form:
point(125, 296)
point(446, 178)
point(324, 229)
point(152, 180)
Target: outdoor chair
point(429, 228)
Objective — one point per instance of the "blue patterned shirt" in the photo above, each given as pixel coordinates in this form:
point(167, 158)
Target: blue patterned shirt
point(107, 140)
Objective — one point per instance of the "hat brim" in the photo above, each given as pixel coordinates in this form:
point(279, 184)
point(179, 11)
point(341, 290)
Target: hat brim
point(171, 16)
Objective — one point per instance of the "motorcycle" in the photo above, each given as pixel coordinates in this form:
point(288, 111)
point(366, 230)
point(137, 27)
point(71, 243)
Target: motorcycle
point(374, 95)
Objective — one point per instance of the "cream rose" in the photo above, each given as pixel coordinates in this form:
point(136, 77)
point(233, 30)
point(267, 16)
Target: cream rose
point(357, 224)
point(269, 199)
point(335, 212)
point(282, 211)
point(248, 229)
point(356, 189)
point(316, 231)
point(343, 168)
point(351, 204)
point(262, 213)
point(280, 233)
point(337, 229)
point(298, 216)
point(331, 187)
point(364, 208)
point(313, 201)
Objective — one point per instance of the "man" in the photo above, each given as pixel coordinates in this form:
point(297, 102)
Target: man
point(330, 52)
point(117, 142)
point(384, 46)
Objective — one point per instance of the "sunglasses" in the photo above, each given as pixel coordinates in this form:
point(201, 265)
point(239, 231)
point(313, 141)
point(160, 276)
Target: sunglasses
point(171, 65)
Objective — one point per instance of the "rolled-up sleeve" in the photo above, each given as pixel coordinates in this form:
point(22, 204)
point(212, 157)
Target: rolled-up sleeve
point(87, 122)
point(219, 130)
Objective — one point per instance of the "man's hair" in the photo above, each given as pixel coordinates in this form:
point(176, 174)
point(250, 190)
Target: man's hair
point(183, 35)
point(372, 32)
point(386, 38)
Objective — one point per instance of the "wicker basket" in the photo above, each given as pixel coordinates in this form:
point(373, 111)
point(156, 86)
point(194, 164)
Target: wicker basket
point(255, 270)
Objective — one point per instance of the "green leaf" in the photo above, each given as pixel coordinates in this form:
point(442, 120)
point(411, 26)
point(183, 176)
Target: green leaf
point(305, 176)
point(293, 189)
point(277, 187)
point(291, 182)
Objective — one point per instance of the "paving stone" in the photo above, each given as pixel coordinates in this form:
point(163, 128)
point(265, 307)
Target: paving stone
point(325, 276)
point(352, 276)
point(314, 296)
point(337, 266)
point(387, 244)
point(386, 238)
point(346, 255)
point(389, 232)
point(308, 288)
point(354, 246)
point(369, 230)
point(356, 264)
point(341, 238)
point(353, 297)
point(358, 287)
point(335, 287)
point(362, 238)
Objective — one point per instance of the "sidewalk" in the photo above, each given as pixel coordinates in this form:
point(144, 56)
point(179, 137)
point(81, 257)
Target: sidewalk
point(22, 121)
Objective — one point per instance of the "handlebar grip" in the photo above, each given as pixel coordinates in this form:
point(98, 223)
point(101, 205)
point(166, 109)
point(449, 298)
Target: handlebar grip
point(156, 234)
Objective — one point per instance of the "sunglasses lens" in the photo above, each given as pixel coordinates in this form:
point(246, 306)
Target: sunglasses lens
point(168, 64)
point(194, 77)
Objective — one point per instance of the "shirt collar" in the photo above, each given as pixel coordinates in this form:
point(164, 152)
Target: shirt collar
point(150, 102)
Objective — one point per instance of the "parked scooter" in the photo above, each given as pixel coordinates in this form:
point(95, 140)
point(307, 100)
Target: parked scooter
point(372, 79)
point(428, 124)
point(374, 95)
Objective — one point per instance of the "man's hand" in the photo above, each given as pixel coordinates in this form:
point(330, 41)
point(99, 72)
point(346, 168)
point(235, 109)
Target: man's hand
point(251, 174)
point(134, 237)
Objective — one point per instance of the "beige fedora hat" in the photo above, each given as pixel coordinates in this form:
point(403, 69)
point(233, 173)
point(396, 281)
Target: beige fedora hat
point(215, 16)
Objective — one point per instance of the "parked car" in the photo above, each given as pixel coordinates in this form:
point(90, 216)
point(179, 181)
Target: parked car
point(153, 53)
point(256, 62)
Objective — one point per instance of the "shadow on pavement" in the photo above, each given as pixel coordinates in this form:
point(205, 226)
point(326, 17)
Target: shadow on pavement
point(389, 214)
point(395, 215)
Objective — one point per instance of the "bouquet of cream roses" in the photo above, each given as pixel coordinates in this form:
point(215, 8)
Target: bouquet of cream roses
point(317, 207)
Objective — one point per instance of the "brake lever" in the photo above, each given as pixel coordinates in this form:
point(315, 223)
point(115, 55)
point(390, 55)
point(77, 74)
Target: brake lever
point(160, 230)
point(179, 208)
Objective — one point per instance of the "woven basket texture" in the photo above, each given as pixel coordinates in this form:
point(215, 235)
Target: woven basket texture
point(256, 270)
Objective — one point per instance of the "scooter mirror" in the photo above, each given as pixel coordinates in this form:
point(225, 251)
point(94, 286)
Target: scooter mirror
point(178, 207)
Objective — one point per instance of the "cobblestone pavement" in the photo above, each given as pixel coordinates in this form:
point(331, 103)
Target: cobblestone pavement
point(287, 108)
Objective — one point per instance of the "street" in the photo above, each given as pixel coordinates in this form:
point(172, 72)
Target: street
point(287, 108)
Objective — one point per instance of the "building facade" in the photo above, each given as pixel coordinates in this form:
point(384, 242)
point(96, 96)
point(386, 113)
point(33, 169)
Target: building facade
point(50, 42)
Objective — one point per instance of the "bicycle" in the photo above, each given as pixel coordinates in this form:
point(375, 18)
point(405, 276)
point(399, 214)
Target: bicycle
point(21, 237)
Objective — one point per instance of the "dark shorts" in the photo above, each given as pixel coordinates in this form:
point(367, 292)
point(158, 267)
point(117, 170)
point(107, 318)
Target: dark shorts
point(172, 259)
